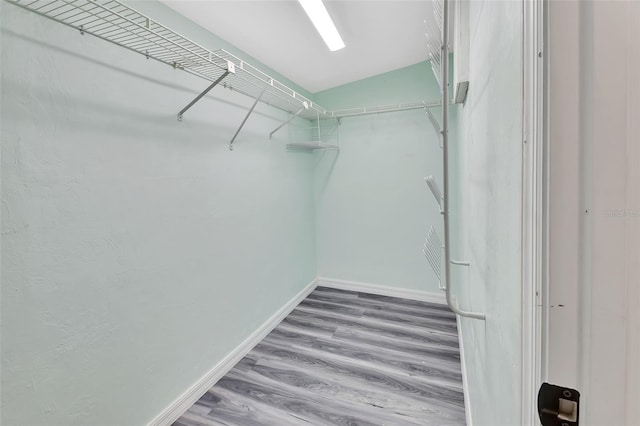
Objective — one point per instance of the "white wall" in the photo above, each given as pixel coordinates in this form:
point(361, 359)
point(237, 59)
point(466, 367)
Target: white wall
point(373, 206)
point(595, 207)
point(486, 210)
point(137, 251)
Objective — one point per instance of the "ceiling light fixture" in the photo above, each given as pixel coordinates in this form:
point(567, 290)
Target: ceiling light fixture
point(318, 14)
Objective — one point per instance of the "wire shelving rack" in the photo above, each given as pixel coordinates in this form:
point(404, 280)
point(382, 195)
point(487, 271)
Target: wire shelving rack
point(120, 24)
point(439, 56)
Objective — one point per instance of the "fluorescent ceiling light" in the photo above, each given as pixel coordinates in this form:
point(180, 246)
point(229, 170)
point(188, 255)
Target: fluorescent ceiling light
point(322, 21)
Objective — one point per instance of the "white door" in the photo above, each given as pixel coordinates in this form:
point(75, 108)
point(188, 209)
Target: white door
point(593, 298)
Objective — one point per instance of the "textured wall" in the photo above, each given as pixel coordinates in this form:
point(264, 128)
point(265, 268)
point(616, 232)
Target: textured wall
point(487, 161)
point(374, 209)
point(136, 251)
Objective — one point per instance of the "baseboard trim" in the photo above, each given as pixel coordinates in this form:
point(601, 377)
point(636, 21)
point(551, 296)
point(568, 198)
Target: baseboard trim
point(191, 395)
point(383, 290)
point(465, 383)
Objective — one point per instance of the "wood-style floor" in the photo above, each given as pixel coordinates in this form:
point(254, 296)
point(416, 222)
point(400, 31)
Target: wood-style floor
point(345, 358)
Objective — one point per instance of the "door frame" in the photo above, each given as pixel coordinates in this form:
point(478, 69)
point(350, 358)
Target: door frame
point(534, 205)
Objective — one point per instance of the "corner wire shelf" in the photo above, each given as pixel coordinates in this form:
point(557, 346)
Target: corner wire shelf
point(117, 23)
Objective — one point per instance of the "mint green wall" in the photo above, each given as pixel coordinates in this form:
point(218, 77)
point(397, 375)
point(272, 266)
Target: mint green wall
point(373, 207)
point(137, 251)
point(487, 193)
point(412, 83)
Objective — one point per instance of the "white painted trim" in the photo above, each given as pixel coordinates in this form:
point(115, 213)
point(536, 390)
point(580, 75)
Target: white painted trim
point(382, 290)
point(532, 205)
point(465, 383)
point(191, 395)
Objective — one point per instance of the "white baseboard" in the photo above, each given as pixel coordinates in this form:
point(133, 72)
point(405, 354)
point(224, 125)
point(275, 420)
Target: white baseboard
point(191, 395)
point(383, 290)
point(465, 384)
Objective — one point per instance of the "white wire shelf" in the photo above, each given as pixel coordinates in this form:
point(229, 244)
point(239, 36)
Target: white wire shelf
point(250, 81)
point(381, 109)
point(122, 25)
point(117, 23)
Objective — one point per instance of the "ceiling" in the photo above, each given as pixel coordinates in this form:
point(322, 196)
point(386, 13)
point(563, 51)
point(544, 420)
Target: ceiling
point(380, 36)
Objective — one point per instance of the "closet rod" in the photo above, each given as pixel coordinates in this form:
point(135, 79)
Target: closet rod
point(445, 155)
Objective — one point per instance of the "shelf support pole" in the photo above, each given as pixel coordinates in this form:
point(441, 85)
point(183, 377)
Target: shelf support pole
point(445, 154)
point(230, 70)
point(305, 106)
point(246, 118)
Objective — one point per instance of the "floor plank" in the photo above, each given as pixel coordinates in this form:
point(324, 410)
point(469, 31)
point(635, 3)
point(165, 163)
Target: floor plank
point(345, 358)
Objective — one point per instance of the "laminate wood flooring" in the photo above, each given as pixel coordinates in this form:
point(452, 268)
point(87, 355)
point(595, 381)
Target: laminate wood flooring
point(345, 358)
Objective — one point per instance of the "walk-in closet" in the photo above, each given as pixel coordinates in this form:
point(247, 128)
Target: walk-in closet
point(314, 212)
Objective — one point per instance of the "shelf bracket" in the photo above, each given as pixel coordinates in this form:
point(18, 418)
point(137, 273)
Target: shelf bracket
point(435, 191)
point(453, 303)
point(435, 124)
point(230, 70)
point(246, 118)
point(434, 121)
point(305, 106)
